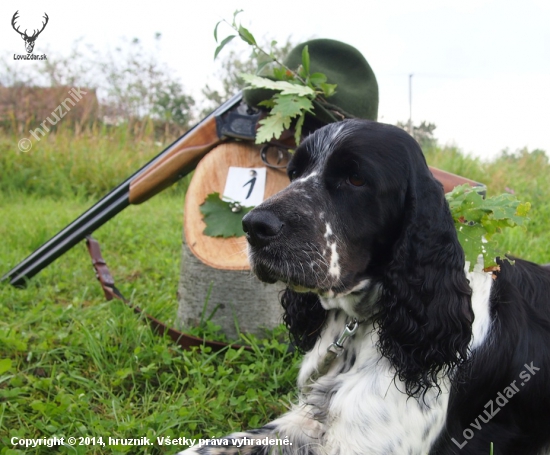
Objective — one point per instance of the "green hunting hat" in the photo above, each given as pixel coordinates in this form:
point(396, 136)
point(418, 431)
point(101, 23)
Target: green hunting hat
point(356, 92)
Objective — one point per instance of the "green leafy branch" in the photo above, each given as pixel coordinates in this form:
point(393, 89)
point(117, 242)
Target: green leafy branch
point(247, 37)
point(295, 90)
point(479, 221)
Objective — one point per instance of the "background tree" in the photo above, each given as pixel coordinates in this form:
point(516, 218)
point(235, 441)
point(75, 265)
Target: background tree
point(423, 133)
point(138, 85)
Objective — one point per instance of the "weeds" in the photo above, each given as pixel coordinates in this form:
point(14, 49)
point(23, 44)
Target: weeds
point(85, 164)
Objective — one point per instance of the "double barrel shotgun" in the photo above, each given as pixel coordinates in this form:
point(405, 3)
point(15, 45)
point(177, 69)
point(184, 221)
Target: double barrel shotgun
point(234, 120)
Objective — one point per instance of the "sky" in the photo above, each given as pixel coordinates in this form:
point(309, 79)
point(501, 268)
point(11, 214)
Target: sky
point(480, 68)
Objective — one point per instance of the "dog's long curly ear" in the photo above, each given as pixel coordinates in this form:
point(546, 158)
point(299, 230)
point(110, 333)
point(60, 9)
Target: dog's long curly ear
point(425, 315)
point(304, 317)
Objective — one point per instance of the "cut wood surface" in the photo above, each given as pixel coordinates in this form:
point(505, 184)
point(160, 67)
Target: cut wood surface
point(210, 176)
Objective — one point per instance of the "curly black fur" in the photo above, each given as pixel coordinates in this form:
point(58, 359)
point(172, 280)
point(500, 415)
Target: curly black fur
point(425, 314)
point(304, 317)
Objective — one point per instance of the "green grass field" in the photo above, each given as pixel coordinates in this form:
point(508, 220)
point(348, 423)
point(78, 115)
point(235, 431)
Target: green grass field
point(72, 364)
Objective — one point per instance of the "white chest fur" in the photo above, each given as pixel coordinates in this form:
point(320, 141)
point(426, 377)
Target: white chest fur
point(359, 405)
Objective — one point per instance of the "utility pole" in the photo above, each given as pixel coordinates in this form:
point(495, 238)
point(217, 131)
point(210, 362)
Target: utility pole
point(410, 105)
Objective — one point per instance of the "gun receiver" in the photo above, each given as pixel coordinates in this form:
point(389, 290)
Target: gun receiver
point(229, 120)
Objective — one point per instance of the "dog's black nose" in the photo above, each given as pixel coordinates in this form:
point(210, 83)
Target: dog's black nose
point(260, 226)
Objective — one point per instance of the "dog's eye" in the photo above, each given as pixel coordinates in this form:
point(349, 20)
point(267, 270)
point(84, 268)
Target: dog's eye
point(292, 174)
point(356, 180)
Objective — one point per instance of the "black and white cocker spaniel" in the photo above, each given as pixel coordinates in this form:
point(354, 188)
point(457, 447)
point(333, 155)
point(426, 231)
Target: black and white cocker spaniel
point(407, 352)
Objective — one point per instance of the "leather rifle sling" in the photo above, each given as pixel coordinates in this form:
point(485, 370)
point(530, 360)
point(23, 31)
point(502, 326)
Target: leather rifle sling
point(185, 341)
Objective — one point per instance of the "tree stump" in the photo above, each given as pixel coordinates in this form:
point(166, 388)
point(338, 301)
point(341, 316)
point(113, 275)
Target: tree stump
point(215, 270)
point(237, 297)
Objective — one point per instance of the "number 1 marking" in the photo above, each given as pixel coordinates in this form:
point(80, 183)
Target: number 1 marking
point(252, 182)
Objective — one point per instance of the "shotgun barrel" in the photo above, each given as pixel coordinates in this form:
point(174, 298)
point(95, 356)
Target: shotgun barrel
point(174, 162)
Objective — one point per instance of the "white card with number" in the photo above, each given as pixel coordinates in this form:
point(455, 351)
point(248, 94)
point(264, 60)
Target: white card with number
point(245, 185)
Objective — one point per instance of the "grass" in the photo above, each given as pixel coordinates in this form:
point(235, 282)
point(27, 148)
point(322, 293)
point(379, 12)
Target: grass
point(86, 164)
point(72, 364)
point(78, 365)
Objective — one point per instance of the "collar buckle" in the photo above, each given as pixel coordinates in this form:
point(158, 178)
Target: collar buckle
point(349, 330)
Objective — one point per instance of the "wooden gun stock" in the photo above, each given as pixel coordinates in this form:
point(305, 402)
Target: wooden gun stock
point(181, 158)
point(449, 181)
